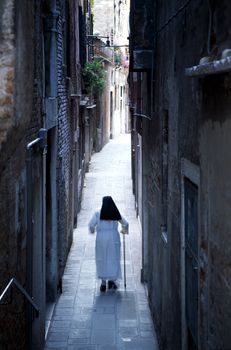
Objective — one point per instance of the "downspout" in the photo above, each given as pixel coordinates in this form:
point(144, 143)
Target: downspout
point(43, 147)
point(41, 141)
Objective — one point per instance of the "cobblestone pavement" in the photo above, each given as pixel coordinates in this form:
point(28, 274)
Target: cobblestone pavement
point(84, 318)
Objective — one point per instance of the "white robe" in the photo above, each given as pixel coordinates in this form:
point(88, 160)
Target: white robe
point(107, 248)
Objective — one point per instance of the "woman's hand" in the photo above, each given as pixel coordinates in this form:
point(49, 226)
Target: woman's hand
point(124, 231)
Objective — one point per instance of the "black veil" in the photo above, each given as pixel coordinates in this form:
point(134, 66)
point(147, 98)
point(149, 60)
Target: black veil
point(109, 210)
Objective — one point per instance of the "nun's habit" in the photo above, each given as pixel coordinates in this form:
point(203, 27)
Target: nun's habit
point(107, 249)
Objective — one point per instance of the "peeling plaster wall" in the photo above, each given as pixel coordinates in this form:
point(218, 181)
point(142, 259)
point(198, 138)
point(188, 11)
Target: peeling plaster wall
point(215, 254)
point(199, 127)
point(103, 24)
point(7, 61)
point(18, 118)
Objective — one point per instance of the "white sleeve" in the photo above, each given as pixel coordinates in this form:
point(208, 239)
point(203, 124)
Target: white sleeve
point(93, 222)
point(124, 225)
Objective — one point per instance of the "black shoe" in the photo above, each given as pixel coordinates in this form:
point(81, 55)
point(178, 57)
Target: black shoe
point(112, 285)
point(102, 288)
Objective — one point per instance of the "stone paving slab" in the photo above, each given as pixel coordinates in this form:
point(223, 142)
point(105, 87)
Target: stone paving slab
point(84, 318)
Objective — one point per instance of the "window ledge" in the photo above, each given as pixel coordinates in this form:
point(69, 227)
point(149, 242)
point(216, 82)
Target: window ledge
point(209, 68)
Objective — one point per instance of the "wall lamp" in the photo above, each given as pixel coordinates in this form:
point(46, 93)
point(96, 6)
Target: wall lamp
point(107, 44)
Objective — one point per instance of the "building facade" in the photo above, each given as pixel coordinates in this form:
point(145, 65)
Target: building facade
point(180, 108)
point(114, 27)
point(42, 157)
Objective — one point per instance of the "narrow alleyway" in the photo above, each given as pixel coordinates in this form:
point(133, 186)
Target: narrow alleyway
point(84, 318)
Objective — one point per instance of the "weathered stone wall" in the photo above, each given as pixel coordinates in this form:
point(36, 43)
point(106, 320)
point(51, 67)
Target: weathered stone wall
point(7, 45)
point(18, 118)
point(194, 112)
point(22, 114)
point(215, 253)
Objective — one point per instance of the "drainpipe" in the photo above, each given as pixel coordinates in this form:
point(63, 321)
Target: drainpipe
point(43, 147)
point(41, 141)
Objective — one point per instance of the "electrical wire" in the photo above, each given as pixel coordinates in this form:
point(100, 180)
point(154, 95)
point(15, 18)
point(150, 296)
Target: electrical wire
point(182, 8)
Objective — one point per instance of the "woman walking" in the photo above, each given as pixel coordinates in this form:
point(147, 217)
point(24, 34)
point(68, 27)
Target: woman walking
point(107, 249)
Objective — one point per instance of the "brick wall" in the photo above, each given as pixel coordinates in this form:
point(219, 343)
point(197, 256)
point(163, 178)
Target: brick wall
point(65, 145)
